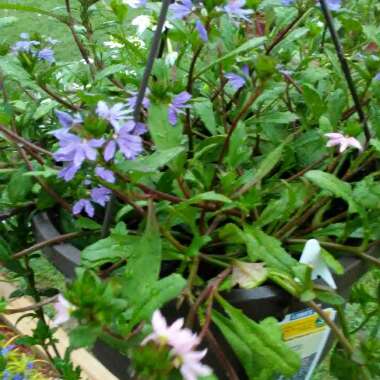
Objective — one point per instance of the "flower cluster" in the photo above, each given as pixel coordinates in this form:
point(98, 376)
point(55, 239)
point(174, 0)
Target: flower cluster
point(74, 150)
point(333, 5)
point(35, 48)
point(182, 9)
point(181, 342)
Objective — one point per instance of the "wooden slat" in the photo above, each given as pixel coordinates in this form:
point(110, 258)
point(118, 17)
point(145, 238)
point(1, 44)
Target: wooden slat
point(92, 369)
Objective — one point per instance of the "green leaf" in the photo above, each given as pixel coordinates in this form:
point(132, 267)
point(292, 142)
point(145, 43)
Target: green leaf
point(109, 70)
point(27, 8)
point(330, 298)
point(83, 336)
point(87, 224)
point(274, 117)
point(144, 262)
point(151, 163)
point(249, 45)
point(313, 101)
point(240, 348)
point(265, 167)
point(44, 108)
point(19, 186)
point(110, 249)
point(239, 150)
point(204, 109)
point(270, 355)
point(6, 21)
point(157, 296)
point(209, 196)
point(334, 185)
point(164, 135)
point(263, 247)
point(332, 262)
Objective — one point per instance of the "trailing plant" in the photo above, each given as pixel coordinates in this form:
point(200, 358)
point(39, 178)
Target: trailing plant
point(195, 148)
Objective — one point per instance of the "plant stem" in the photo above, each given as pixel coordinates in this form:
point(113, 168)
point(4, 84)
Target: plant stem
point(337, 331)
point(56, 240)
point(31, 307)
point(235, 122)
point(15, 137)
point(346, 69)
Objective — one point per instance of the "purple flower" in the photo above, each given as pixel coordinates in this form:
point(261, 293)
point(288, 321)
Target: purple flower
point(236, 81)
point(68, 172)
point(101, 195)
point(47, 55)
point(76, 150)
point(135, 3)
point(24, 46)
point(377, 76)
point(84, 204)
point(333, 5)
point(139, 129)
point(24, 36)
point(177, 105)
point(66, 120)
point(287, 2)
point(6, 350)
point(201, 31)
point(234, 10)
point(105, 174)
point(181, 9)
point(129, 143)
point(131, 102)
point(115, 115)
point(18, 376)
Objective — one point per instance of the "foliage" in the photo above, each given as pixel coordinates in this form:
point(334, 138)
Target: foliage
point(187, 159)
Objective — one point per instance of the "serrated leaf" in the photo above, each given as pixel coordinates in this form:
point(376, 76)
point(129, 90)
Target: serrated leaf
point(19, 186)
point(251, 44)
point(334, 185)
point(265, 167)
point(270, 355)
point(274, 117)
point(144, 262)
point(240, 348)
point(83, 336)
point(151, 163)
point(87, 224)
point(330, 298)
point(204, 109)
point(109, 70)
point(164, 135)
point(267, 249)
point(332, 262)
point(31, 9)
point(157, 296)
point(209, 196)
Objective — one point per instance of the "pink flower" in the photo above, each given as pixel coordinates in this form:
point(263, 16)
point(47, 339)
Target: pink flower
point(343, 141)
point(192, 367)
point(182, 342)
point(63, 308)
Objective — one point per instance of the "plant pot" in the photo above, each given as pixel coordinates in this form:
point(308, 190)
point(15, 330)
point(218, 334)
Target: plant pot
point(258, 303)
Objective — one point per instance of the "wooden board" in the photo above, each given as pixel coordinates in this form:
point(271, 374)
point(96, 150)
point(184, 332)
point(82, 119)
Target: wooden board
point(92, 369)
